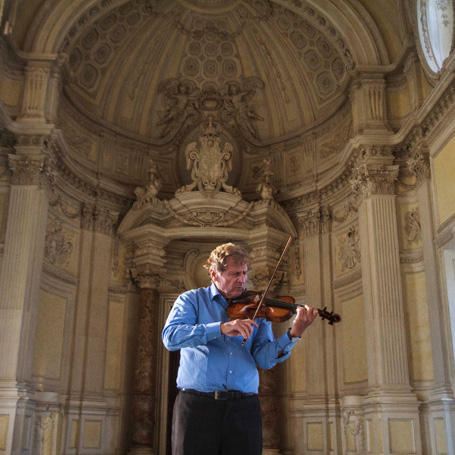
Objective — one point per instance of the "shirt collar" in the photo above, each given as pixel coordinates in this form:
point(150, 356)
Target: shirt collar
point(216, 295)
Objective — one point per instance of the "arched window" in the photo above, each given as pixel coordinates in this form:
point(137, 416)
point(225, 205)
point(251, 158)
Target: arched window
point(435, 20)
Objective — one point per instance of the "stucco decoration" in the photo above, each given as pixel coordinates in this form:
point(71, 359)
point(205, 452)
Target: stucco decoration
point(58, 247)
point(265, 188)
point(217, 57)
point(148, 194)
point(412, 226)
point(185, 103)
point(348, 250)
point(209, 163)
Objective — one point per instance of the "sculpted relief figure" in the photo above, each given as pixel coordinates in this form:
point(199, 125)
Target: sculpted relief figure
point(180, 99)
point(349, 249)
point(232, 103)
point(210, 165)
point(149, 192)
point(265, 188)
point(238, 104)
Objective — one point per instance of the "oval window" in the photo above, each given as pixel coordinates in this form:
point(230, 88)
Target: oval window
point(435, 19)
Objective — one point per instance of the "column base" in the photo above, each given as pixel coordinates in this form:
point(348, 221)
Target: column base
point(271, 452)
point(140, 450)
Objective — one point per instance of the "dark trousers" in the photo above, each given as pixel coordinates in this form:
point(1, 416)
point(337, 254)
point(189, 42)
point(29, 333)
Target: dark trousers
point(205, 426)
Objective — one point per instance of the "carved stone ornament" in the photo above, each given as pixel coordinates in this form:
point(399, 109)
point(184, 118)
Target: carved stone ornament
point(369, 179)
point(26, 169)
point(355, 426)
point(315, 222)
point(148, 194)
point(232, 103)
point(412, 227)
point(145, 372)
point(210, 164)
point(57, 248)
point(349, 249)
point(265, 187)
point(44, 441)
point(98, 219)
point(419, 165)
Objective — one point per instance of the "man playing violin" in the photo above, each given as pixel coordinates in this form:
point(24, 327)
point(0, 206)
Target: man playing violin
point(217, 409)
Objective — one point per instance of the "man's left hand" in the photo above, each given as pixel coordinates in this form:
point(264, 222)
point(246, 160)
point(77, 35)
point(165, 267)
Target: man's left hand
point(305, 317)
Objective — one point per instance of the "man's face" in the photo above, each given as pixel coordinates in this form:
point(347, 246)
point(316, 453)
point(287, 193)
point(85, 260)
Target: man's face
point(231, 282)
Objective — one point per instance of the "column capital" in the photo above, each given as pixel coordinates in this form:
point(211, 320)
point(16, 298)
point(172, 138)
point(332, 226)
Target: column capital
point(368, 179)
point(26, 168)
point(316, 221)
point(99, 219)
point(419, 164)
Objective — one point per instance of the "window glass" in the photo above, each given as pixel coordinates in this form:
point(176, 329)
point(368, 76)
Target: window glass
point(435, 20)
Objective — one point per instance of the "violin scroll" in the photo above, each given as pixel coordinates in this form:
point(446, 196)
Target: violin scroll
point(332, 317)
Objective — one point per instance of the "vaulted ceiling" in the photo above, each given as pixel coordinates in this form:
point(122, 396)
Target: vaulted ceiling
point(276, 69)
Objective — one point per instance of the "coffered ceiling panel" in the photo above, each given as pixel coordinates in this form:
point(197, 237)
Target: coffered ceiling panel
point(266, 69)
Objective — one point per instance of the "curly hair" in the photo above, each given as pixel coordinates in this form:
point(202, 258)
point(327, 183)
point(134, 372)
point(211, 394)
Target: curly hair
point(218, 257)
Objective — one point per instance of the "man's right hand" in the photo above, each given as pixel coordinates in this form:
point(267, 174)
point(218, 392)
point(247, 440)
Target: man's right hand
point(242, 327)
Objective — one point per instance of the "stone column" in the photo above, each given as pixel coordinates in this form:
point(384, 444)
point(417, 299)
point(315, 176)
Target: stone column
point(144, 394)
point(147, 267)
point(391, 407)
point(442, 403)
point(316, 254)
point(266, 251)
point(19, 281)
point(311, 401)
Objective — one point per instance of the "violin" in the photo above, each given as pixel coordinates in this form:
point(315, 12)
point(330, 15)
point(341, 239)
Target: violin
point(279, 309)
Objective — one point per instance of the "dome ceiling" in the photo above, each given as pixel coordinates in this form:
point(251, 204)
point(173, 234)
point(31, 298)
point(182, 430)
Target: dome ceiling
point(261, 69)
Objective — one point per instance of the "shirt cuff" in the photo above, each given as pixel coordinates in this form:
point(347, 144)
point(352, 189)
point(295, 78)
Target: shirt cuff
point(284, 343)
point(213, 330)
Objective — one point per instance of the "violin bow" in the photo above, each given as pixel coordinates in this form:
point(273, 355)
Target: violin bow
point(270, 282)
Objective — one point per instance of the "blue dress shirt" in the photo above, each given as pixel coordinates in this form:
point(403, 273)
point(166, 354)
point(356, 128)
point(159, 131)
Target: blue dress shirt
point(212, 361)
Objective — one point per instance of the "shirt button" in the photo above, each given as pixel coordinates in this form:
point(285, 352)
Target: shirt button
point(230, 371)
point(231, 353)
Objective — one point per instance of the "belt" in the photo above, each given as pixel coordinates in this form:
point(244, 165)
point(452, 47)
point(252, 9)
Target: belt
point(219, 394)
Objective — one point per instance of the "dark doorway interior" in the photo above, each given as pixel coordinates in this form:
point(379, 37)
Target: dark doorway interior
point(174, 359)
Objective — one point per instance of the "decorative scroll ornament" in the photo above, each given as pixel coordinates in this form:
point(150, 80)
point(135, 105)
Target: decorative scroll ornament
point(210, 165)
point(148, 193)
